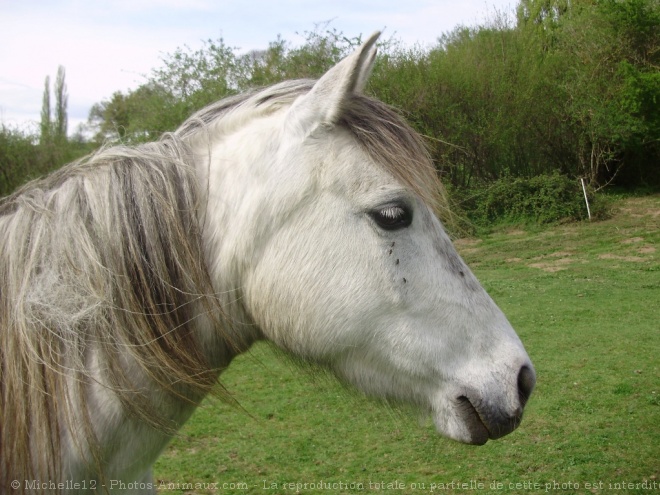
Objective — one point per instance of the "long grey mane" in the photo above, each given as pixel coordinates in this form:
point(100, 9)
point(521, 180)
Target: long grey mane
point(103, 254)
point(106, 255)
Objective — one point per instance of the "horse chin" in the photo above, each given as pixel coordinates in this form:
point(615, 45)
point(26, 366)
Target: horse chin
point(467, 429)
point(464, 422)
point(477, 432)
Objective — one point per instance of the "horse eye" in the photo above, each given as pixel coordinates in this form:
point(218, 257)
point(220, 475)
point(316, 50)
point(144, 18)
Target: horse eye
point(392, 217)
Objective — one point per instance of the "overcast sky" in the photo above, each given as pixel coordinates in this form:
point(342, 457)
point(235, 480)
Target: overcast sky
point(111, 45)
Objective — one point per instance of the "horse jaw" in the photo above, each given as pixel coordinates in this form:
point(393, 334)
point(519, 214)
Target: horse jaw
point(469, 401)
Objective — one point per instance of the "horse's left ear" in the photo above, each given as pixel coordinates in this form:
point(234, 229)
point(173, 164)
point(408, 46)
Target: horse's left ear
point(326, 102)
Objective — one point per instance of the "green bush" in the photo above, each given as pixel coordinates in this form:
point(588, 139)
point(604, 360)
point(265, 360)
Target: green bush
point(542, 199)
point(23, 157)
point(17, 158)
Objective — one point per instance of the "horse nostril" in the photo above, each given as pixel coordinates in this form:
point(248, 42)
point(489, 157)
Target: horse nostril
point(526, 382)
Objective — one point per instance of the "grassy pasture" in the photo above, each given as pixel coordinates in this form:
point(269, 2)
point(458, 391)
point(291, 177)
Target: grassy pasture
point(584, 298)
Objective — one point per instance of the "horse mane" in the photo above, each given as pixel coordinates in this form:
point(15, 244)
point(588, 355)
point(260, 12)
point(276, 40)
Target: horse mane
point(104, 253)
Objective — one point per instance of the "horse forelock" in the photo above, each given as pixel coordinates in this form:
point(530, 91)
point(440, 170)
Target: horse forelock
point(378, 128)
point(395, 146)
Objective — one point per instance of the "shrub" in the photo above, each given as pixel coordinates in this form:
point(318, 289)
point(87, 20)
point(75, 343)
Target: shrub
point(542, 199)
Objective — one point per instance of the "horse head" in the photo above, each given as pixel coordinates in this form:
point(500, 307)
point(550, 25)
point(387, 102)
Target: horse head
point(321, 223)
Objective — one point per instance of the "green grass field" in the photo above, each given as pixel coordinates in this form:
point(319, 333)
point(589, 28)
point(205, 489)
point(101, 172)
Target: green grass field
point(585, 300)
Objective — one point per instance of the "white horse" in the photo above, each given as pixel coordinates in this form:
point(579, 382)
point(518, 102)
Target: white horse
point(302, 214)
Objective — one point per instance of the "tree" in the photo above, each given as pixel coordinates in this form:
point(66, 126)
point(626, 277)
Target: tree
point(611, 84)
point(45, 125)
point(61, 102)
point(541, 11)
point(111, 117)
point(54, 130)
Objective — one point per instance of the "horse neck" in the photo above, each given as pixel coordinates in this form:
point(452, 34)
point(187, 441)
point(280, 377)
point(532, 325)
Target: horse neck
point(233, 212)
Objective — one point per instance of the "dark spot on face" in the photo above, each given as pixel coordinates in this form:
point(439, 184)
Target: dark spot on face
point(393, 243)
point(390, 252)
point(397, 261)
point(447, 253)
point(404, 281)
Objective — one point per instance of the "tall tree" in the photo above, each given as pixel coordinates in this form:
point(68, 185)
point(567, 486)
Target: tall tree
point(61, 102)
point(45, 125)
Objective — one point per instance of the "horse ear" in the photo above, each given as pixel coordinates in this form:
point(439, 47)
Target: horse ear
point(326, 102)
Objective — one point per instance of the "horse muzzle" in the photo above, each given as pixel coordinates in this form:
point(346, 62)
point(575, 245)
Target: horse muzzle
point(480, 414)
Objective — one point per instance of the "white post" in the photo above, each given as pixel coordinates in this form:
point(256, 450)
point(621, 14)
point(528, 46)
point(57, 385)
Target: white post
point(584, 190)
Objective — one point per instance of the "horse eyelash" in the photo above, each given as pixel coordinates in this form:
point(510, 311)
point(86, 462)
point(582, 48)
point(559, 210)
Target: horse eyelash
point(392, 217)
point(392, 212)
